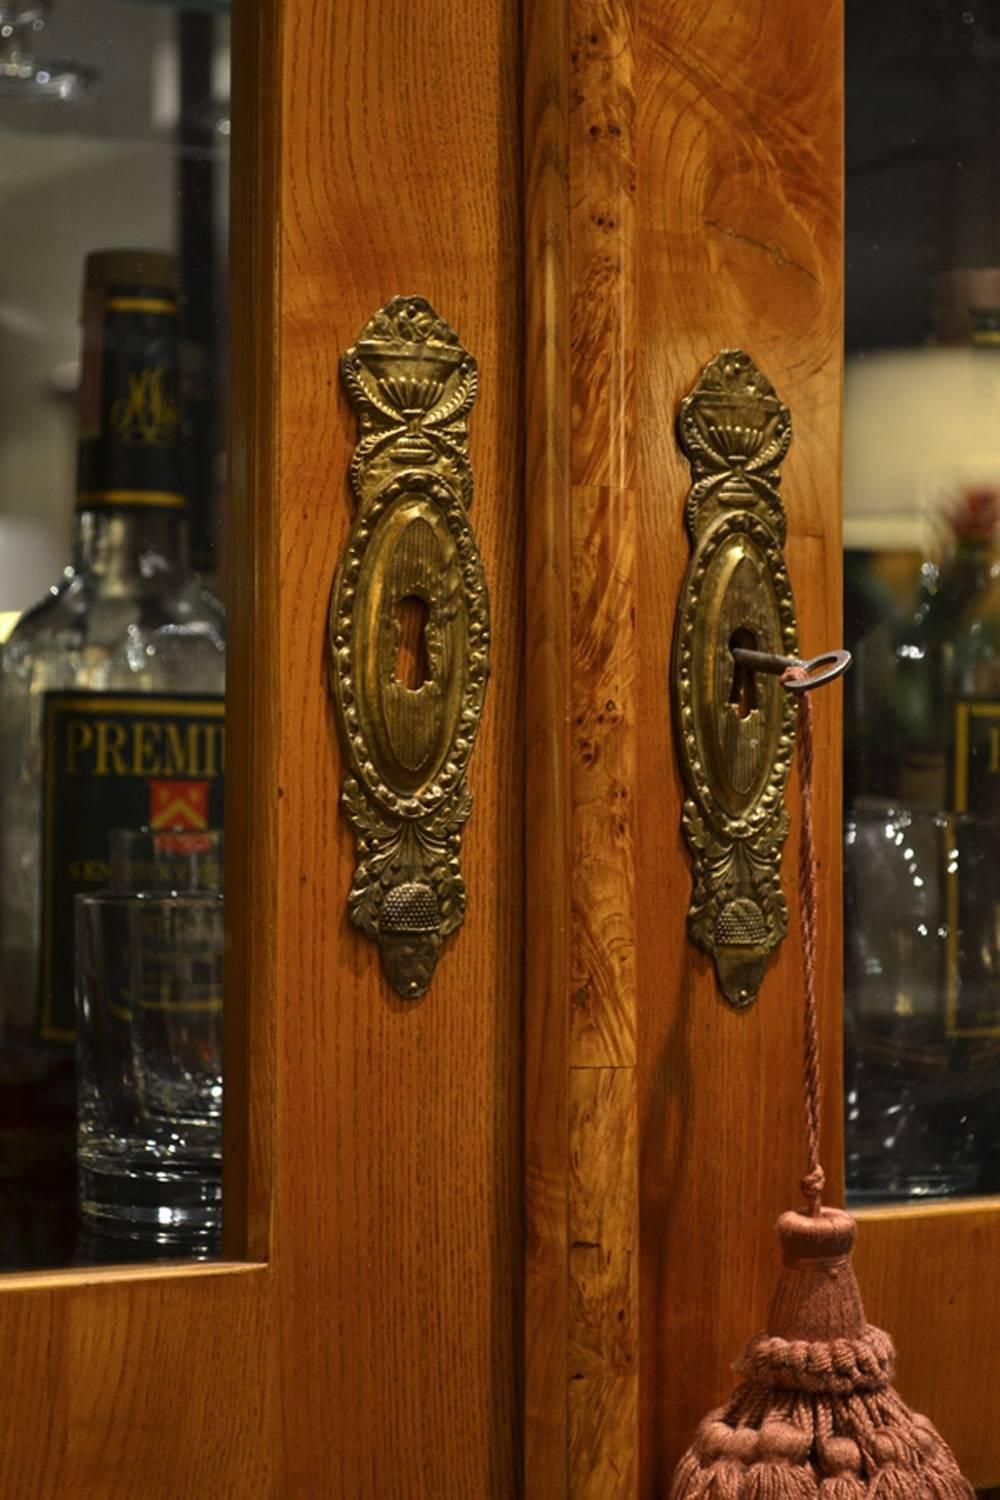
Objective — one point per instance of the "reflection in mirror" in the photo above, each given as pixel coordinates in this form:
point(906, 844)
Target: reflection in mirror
point(113, 176)
point(922, 600)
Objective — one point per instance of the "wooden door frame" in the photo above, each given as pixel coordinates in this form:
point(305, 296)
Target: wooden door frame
point(365, 1345)
point(631, 1324)
point(582, 1169)
point(630, 105)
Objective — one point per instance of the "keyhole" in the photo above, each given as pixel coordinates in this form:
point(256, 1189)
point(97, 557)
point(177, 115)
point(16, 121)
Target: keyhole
point(743, 693)
point(412, 666)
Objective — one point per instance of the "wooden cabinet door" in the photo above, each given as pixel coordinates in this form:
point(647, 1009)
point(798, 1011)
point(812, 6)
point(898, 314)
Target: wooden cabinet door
point(360, 1337)
point(508, 1238)
point(683, 196)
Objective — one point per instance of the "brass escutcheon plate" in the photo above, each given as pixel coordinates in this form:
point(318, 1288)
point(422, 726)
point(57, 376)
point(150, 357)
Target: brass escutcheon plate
point(408, 743)
point(735, 730)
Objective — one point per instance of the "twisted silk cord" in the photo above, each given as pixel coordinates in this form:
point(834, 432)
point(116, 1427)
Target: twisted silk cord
point(815, 1178)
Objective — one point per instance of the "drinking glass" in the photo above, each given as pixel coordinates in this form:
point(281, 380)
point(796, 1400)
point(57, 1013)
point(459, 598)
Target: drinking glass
point(176, 1027)
point(149, 1059)
point(922, 1000)
point(110, 1165)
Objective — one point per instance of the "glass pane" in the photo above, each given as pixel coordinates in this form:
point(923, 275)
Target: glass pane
point(113, 191)
point(922, 600)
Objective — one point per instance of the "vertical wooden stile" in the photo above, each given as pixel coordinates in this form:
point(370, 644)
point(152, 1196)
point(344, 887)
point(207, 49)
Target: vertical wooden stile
point(603, 1130)
point(547, 776)
point(582, 1143)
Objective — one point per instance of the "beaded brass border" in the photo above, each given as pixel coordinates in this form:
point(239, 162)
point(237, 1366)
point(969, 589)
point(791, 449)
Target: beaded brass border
point(735, 750)
point(412, 384)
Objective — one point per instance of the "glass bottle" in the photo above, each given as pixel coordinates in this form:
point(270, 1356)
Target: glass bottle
point(111, 687)
point(923, 893)
point(950, 649)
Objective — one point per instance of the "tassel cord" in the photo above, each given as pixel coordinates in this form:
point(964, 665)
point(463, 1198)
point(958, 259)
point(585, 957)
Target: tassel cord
point(816, 1416)
point(815, 1178)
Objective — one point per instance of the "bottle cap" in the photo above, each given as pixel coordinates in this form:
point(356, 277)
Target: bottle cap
point(155, 268)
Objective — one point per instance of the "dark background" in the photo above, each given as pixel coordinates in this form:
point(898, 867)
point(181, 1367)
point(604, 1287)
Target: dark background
point(923, 158)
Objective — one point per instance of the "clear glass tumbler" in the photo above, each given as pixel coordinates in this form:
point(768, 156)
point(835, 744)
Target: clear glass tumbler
point(149, 1046)
point(921, 1001)
point(176, 1027)
point(109, 1138)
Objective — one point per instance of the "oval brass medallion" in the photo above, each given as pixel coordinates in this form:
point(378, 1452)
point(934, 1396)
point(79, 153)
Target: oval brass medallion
point(412, 555)
point(735, 734)
point(408, 739)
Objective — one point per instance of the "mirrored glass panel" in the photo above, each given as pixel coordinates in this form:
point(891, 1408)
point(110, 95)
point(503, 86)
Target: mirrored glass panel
point(114, 137)
point(922, 600)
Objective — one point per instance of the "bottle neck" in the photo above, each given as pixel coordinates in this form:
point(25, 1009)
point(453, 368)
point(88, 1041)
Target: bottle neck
point(130, 460)
point(132, 549)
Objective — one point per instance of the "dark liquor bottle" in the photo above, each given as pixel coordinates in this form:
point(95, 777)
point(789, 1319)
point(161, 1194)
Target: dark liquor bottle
point(111, 690)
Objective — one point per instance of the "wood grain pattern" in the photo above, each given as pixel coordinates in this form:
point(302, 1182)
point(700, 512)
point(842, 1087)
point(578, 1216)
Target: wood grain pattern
point(928, 1275)
point(400, 1190)
point(739, 243)
point(603, 1333)
point(547, 571)
point(604, 1225)
point(604, 1280)
point(603, 344)
point(378, 1161)
point(604, 1458)
point(603, 1024)
point(119, 1388)
point(582, 1179)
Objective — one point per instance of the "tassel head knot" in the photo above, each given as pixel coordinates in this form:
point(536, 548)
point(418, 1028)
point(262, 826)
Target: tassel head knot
point(825, 1236)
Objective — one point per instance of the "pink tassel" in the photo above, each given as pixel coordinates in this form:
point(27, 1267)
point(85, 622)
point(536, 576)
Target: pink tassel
point(817, 1417)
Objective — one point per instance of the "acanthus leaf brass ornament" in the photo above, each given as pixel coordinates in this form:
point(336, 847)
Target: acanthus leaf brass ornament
point(408, 744)
point(735, 727)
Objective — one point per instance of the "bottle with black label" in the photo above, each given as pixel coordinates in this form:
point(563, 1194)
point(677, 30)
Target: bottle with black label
point(111, 691)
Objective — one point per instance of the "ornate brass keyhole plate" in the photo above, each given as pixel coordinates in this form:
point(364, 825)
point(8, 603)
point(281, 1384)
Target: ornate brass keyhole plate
point(408, 736)
point(735, 733)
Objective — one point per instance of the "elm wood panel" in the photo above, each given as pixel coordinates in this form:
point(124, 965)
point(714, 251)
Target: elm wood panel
point(603, 1350)
point(547, 572)
point(587, 314)
point(156, 1384)
point(604, 1456)
point(603, 773)
point(602, 187)
point(928, 1275)
point(402, 1197)
point(603, 1224)
point(602, 332)
point(739, 243)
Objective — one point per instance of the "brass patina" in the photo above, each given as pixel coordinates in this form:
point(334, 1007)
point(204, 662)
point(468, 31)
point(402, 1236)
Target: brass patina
point(408, 745)
point(735, 727)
